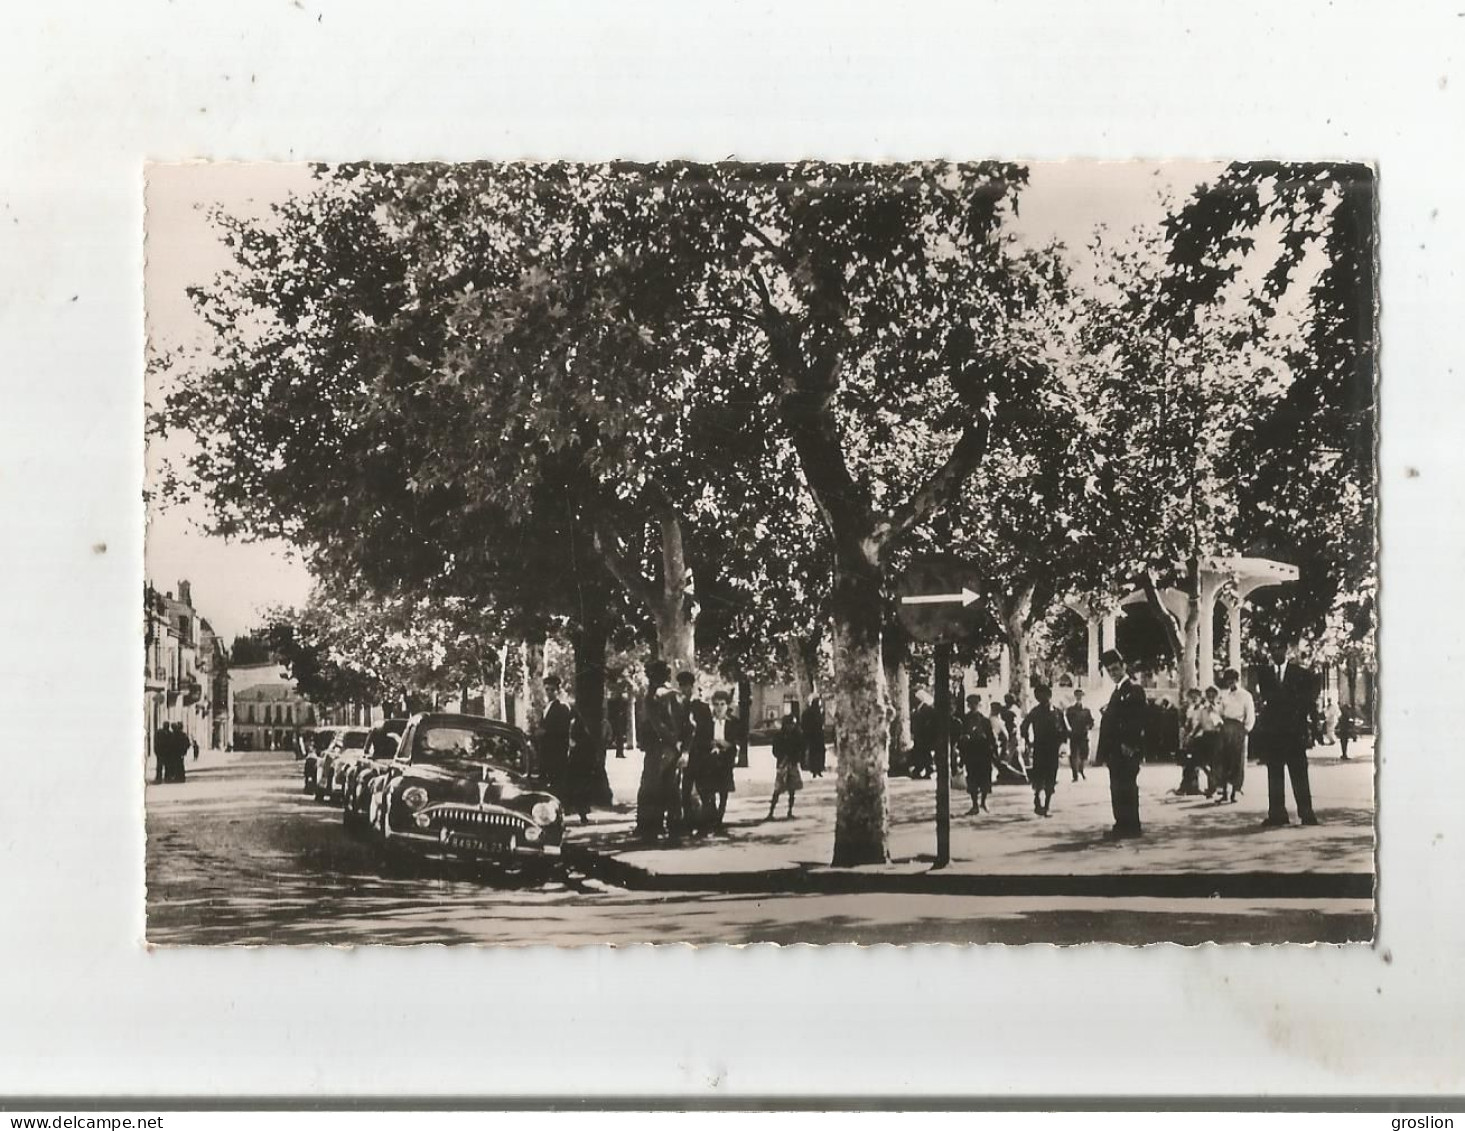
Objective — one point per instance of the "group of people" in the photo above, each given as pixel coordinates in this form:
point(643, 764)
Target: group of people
point(1213, 735)
point(799, 744)
point(690, 746)
point(171, 748)
point(996, 745)
point(689, 751)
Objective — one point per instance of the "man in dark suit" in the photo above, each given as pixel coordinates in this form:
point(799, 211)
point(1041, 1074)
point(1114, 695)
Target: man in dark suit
point(1285, 696)
point(699, 805)
point(811, 722)
point(923, 736)
point(554, 736)
point(663, 745)
point(727, 737)
point(162, 743)
point(1121, 745)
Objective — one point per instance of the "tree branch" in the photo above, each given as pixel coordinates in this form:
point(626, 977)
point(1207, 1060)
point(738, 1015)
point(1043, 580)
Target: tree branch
point(969, 451)
point(608, 544)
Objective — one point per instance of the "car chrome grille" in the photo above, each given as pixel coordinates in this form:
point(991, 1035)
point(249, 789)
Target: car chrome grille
point(467, 819)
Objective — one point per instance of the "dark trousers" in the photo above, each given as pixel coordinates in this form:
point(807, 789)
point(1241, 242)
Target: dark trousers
point(1124, 792)
point(1284, 762)
point(1078, 754)
point(699, 807)
point(659, 799)
point(923, 762)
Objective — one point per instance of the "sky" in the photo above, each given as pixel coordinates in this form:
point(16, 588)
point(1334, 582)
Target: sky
point(234, 581)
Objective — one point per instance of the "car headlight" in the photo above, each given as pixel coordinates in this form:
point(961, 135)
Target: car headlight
point(546, 812)
point(414, 797)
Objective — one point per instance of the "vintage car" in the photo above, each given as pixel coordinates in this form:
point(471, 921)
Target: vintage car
point(347, 740)
point(457, 787)
point(320, 739)
point(352, 771)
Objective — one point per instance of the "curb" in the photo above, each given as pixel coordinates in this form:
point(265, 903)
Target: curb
point(796, 880)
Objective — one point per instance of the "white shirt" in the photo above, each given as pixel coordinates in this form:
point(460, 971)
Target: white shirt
point(1238, 704)
point(719, 729)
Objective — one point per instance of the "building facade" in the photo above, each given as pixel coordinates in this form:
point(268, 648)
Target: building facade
point(185, 670)
point(266, 711)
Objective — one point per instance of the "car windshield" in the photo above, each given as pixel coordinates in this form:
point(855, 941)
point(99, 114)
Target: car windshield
point(353, 740)
point(440, 741)
point(384, 744)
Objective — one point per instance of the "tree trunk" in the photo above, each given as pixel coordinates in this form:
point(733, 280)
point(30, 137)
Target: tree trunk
point(895, 648)
point(503, 712)
point(745, 717)
point(535, 699)
point(862, 739)
point(803, 662)
point(590, 639)
point(1017, 612)
point(1186, 667)
point(1181, 632)
point(676, 611)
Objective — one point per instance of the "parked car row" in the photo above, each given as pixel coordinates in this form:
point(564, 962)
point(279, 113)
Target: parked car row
point(444, 783)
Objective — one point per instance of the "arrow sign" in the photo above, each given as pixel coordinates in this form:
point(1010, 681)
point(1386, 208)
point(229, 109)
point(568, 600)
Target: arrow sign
point(966, 597)
point(939, 599)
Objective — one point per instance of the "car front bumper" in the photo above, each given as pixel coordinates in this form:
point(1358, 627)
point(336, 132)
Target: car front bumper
point(467, 831)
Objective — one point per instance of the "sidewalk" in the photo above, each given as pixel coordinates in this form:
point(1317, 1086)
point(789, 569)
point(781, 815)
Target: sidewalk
point(1191, 847)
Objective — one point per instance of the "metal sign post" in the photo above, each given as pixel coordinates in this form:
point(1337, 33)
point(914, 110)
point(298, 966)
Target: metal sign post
point(937, 604)
point(943, 755)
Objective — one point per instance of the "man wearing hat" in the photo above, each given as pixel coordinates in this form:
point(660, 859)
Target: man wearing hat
point(1121, 744)
point(699, 803)
point(554, 736)
point(658, 801)
point(1286, 692)
point(727, 734)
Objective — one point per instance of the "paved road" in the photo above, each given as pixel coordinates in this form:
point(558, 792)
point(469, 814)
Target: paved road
point(238, 854)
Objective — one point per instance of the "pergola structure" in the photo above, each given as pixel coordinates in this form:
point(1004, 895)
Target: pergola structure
point(1231, 579)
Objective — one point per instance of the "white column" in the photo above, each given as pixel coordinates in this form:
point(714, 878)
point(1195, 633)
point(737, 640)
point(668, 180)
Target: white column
point(1004, 670)
point(1233, 634)
point(1205, 671)
point(1094, 626)
point(1108, 633)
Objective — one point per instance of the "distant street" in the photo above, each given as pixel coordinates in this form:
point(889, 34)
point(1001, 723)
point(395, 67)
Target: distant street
point(238, 854)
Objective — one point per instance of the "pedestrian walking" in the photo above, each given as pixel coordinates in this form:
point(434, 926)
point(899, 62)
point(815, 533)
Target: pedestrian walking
point(161, 744)
point(923, 736)
point(581, 767)
point(1045, 730)
point(1331, 718)
point(1208, 740)
point(177, 754)
point(1121, 745)
point(788, 752)
point(811, 722)
point(1286, 694)
point(554, 735)
point(1080, 721)
point(1347, 731)
point(727, 737)
point(977, 745)
point(699, 803)
point(658, 800)
point(618, 717)
point(1238, 717)
point(1190, 761)
point(1011, 713)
